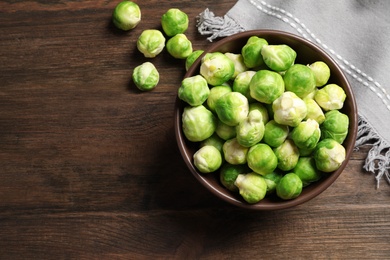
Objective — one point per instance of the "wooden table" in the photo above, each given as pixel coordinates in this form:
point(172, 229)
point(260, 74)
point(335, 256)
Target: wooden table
point(90, 169)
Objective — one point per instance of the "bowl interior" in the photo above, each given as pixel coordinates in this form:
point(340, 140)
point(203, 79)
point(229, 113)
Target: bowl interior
point(307, 53)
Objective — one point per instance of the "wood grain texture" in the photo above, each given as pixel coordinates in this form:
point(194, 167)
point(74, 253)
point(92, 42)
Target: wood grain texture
point(90, 168)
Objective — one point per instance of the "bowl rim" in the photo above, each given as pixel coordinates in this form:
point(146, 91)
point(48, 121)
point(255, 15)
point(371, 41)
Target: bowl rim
point(325, 182)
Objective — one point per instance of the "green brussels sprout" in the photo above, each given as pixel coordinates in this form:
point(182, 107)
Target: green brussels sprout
point(225, 131)
point(194, 90)
point(192, 58)
point(329, 155)
point(151, 43)
point(239, 65)
point(307, 171)
point(145, 76)
point(215, 141)
point(251, 52)
point(307, 134)
point(289, 109)
point(263, 110)
point(306, 152)
point(275, 134)
point(261, 159)
point(300, 80)
point(241, 83)
point(126, 15)
point(207, 159)
point(272, 179)
point(229, 173)
point(179, 46)
point(278, 57)
point(233, 152)
point(232, 108)
point(215, 93)
point(289, 187)
point(335, 126)
point(314, 111)
point(216, 68)
point(287, 154)
point(330, 97)
point(252, 187)
point(198, 123)
point(321, 72)
point(174, 22)
point(266, 86)
point(250, 131)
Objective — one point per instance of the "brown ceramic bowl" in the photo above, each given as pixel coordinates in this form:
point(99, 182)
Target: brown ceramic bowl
point(307, 53)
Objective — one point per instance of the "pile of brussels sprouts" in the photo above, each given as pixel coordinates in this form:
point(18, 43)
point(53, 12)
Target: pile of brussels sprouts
point(264, 123)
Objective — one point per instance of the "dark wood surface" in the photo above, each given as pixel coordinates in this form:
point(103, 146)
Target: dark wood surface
point(90, 169)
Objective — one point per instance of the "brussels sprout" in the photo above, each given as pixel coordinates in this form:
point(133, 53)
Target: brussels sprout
point(250, 131)
point(150, 43)
point(126, 15)
point(306, 152)
point(225, 131)
point(198, 123)
point(335, 126)
point(329, 155)
point(307, 171)
point(275, 134)
point(272, 179)
point(266, 86)
point(241, 83)
point(232, 108)
point(145, 76)
point(314, 111)
point(261, 159)
point(174, 22)
point(234, 153)
point(192, 58)
point(289, 109)
point(287, 154)
point(330, 97)
point(207, 159)
point(215, 141)
point(239, 65)
point(300, 80)
point(251, 52)
point(321, 72)
point(278, 57)
point(307, 134)
point(228, 175)
point(289, 187)
point(216, 68)
point(215, 93)
point(252, 187)
point(194, 90)
point(179, 46)
point(263, 110)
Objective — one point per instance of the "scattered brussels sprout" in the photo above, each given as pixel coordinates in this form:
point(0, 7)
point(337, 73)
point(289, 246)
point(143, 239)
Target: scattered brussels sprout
point(215, 141)
point(289, 186)
point(198, 123)
point(215, 93)
point(321, 72)
point(232, 108)
point(307, 171)
point(287, 154)
point(239, 65)
point(330, 97)
point(329, 155)
point(261, 159)
point(275, 134)
point(263, 110)
point(250, 131)
point(145, 76)
point(289, 109)
point(228, 175)
point(194, 90)
point(300, 80)
point(307, 134)
point(192, 58)
point(241, 83)
point(179, 46)
point(252, 187)
point(278, 57)
point(314, 111)
point(335, 126)
point(151, 42)
point(207, 159)
point(225, 131)
point(251, 52)
point(233, 152)
point(272, 179)
point(126, 15)
point(174, 22)
point(216, 68)
point(266, 86)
